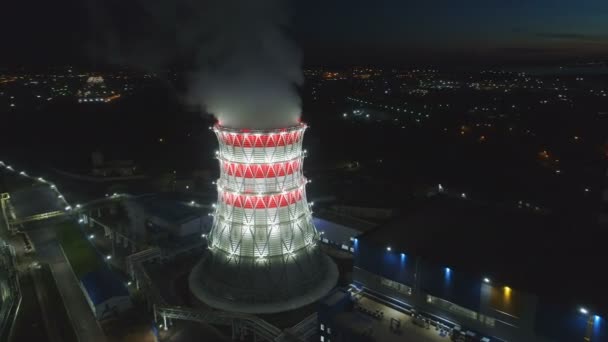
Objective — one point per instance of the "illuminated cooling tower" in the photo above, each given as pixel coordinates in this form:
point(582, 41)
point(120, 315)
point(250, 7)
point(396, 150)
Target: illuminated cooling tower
point(263, 255)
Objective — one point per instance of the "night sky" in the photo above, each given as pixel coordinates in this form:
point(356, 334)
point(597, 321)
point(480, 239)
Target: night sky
point(351, 31)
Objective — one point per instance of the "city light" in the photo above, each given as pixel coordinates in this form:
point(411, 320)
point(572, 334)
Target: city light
point(583, 311)
point(388, 249)
point(486, 280)
point(91, 237)
point(108, 257)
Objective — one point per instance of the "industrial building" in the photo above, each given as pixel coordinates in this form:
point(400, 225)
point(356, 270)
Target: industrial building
point(163, 219)
point(106, 293)
point(502, 274)
point(340, 230)
point(263, 246)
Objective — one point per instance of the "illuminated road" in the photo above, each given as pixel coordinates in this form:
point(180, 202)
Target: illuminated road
point(85, 324)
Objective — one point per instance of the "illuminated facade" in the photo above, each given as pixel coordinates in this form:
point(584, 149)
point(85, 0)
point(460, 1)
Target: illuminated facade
point(263, 254)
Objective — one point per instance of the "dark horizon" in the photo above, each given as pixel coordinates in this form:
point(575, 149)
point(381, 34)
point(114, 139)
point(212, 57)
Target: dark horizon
point(341, 33)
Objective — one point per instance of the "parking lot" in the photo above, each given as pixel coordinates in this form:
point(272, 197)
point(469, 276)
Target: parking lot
point(392, 325)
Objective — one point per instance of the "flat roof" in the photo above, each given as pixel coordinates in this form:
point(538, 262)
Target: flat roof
point(547, 255)
point(169, 209)
point(346, 220)
point(102, 285)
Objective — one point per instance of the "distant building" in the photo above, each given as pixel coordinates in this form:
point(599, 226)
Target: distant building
point(96, 91)
point(106, 293)
point(504, 274)
point(112, 168)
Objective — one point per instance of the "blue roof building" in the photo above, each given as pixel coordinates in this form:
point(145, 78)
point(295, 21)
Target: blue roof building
point(106, 293)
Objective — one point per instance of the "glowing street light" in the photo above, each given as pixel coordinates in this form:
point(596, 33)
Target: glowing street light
point(583, 311)
point(486, 280)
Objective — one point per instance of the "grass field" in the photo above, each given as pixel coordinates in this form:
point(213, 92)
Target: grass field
point(80, 253)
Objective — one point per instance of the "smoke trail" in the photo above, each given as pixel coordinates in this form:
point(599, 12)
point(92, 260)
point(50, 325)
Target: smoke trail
point(246, 69)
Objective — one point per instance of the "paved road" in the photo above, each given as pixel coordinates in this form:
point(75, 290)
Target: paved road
point(43, 301)
point(85, 324)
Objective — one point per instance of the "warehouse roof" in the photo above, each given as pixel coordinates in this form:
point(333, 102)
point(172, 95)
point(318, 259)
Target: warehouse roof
point(542, 254)
point(102, 285)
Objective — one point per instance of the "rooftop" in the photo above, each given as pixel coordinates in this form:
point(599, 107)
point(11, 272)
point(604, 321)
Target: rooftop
point(102, 285)
point(169, 209)
point(538, 253)
point(345, 220)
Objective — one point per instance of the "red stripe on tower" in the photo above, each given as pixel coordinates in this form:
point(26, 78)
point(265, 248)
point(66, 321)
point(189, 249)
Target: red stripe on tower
point(248, 201)
point(261, 140)
point(260, 170)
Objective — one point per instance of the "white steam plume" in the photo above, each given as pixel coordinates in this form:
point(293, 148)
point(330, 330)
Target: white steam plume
point(246, 68)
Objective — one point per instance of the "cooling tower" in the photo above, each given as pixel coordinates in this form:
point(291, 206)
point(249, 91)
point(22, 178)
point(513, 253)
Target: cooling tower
point(263, 252)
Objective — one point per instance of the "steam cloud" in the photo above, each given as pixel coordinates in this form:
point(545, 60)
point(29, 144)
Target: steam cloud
point(246, 69)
